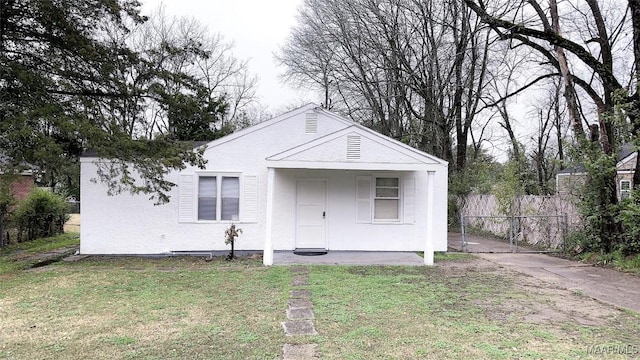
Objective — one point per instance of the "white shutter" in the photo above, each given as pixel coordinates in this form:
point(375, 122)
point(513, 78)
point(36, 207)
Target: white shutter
point(409, 200)
point(249, 206)
point(363, 199)
point(185, 198)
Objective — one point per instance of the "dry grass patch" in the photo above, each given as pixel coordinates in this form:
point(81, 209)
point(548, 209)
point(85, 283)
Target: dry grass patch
point(136, 309)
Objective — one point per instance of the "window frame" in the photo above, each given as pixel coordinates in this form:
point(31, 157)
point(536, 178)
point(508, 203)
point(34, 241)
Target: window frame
point(219, 176)
point(625, 193)
point(374, 197)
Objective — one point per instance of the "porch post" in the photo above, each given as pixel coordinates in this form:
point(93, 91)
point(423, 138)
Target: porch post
point(428, 252)
point(267, 257)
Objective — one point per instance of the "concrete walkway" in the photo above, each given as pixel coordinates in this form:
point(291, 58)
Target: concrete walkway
point(478, 244)
point(607, 285)
point(349, 258)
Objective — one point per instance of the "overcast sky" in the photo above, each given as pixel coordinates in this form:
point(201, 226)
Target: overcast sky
point(257, 28)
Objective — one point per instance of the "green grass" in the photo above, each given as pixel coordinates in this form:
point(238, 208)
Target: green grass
point(614, 259)
point(129, 308)
point(187, 308)
point(436, 313)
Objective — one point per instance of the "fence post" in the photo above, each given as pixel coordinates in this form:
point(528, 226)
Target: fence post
point(511, 230)
point(565, 230)
point(463, 231)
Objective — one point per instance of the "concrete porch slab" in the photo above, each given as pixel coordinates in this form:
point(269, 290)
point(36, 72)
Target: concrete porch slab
point(349, 258)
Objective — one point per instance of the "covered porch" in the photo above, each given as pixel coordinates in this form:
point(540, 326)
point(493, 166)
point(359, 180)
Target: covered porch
point(355, 190)
point(335, 209)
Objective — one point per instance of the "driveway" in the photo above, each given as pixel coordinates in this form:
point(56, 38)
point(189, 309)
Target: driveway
point(607, 285)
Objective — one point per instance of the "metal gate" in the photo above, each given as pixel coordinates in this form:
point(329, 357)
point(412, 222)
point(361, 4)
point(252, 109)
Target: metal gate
point(501, 234)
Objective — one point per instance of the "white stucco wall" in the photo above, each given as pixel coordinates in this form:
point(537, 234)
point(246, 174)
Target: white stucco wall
point(343, 232)
point(131, 224)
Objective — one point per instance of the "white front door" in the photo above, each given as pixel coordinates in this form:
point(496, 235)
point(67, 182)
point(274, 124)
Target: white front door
point(311, 207)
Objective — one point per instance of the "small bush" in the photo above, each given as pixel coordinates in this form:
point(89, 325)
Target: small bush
point(41, 214)
point(629, 217)
point(583, 241)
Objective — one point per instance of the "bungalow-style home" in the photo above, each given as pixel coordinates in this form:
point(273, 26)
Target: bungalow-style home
point(569, 181)
point(307, 179)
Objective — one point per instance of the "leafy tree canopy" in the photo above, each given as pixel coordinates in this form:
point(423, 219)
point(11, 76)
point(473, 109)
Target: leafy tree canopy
point(72, 77)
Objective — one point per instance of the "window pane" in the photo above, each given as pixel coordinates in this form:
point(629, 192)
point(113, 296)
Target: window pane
point(206, 208)
point(386, 209)
point(387, 182)
point(387, 192)
point(207, 190)
point(625, 185)
point(207, 186)
point(230, 198)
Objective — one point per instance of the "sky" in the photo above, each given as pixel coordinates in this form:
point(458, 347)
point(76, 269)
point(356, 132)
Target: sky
point(257, 28)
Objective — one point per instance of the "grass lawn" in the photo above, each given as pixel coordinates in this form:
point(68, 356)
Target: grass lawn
point(459, 312)
point(187, 308)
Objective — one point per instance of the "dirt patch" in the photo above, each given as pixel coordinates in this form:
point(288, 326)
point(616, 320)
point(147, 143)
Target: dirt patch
point(73, 225)
point(531, 300)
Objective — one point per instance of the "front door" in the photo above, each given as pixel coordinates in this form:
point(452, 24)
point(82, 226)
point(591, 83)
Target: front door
point(311, 207)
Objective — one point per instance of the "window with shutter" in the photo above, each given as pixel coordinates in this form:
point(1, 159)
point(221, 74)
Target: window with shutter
point(385, 199)
point(218, 197)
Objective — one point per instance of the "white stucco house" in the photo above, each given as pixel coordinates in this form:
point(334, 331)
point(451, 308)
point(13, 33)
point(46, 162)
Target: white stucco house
point(307, 179)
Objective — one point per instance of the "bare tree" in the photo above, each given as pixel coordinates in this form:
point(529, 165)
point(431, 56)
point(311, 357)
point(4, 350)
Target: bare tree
point(548, 154)
point(180, 57)
point(412, 70)
point(582, 54)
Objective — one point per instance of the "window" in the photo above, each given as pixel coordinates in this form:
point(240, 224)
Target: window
point(230, 198)
point(625, 189)
point(386, 203)
point(207, 198)
point(218, 198)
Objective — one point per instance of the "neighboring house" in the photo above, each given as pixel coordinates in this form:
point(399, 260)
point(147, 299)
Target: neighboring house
point(569, 181)
point(307, 179)
point(21, 183)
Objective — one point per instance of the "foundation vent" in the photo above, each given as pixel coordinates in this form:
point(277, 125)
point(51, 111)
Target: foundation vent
point(353, 147)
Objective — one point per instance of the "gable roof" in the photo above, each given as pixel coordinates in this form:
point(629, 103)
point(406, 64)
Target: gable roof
point(275, 120)
point(354, 147)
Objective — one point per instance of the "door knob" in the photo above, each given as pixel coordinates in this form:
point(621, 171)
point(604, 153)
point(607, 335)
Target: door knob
point(324, 214)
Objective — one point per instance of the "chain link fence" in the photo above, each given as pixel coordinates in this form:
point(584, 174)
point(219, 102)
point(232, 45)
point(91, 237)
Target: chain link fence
point(530, 223)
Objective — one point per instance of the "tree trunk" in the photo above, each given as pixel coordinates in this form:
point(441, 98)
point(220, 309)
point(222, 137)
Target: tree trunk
point(569, 88)
point(634, 114)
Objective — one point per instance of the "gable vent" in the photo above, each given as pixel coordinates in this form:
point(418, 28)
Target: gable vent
point(353, 147)
point(311, 123)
